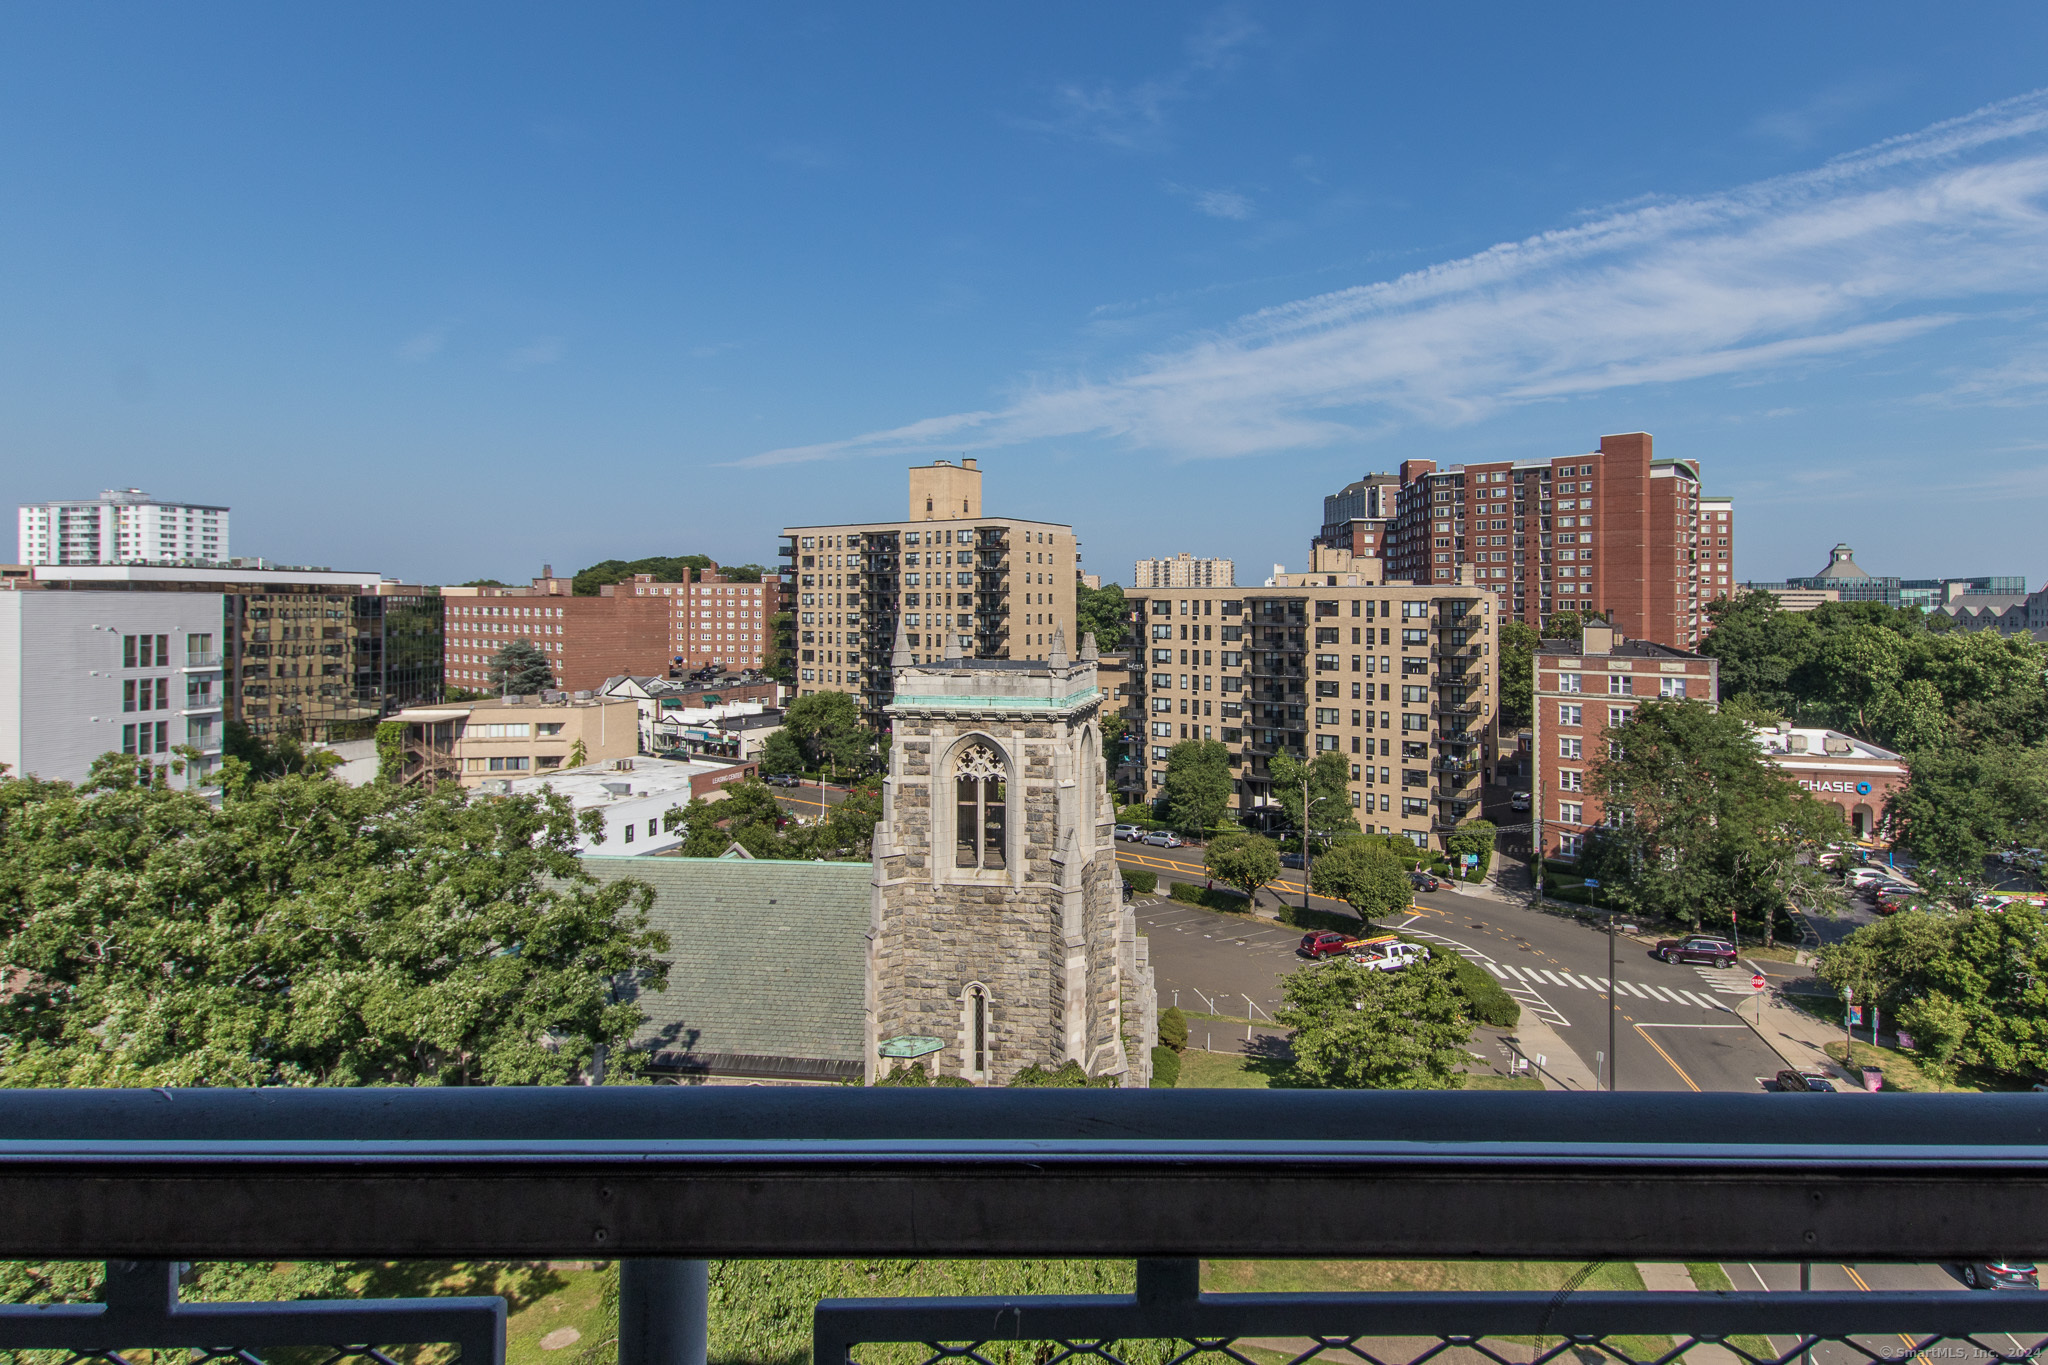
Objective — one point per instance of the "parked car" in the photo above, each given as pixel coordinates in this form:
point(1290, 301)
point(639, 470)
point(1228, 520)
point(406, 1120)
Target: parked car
point(1325, 943)
point(784, 780)
point(1386, 954)
point(1128, 832)
point(1427, 881)
point(1806, 1081)
point(2001, 1275)
point(1519, 801)
point(1160, 838)
point(1290, 860)
point(1697, 948)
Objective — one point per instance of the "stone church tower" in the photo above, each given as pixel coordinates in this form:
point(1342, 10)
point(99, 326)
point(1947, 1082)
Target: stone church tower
point(999, 936)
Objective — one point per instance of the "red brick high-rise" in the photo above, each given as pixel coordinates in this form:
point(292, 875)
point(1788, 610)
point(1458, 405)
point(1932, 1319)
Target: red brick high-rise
point(1614, 531)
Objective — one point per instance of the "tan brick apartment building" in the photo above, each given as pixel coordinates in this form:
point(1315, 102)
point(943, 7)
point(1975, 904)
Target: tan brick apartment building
point(1614, 532)
point(997, 587)
point(1584, 688)
point(1183, 571)
point(1397, 677)
point(639, 626)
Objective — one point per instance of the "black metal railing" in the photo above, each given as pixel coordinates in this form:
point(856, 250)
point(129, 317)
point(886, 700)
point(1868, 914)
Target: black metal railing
point(667, 1177)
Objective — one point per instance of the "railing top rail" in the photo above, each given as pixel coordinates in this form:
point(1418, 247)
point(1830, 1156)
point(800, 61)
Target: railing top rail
point(686, 1171)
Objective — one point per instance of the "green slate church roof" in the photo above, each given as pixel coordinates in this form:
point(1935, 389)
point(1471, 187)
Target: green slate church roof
point(767, 965)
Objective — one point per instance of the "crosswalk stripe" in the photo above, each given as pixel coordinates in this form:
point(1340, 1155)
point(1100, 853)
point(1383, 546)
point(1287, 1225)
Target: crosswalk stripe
point(1547, 976)
point(1630, 989)
point(1496, 971)
point(1598, 983)
point(1705, 1003)
point(1515, 972)
point(1656, 994)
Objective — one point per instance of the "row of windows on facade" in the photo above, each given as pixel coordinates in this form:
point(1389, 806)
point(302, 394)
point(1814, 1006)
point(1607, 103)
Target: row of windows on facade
point(942, 536)
point(1620, 685)
point(154, 694)
point(1369, 609)
point(154, 651)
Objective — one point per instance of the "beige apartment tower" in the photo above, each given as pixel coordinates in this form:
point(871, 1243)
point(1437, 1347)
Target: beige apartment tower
point(1184, 571)
point(951, 579)
point(1398, 678)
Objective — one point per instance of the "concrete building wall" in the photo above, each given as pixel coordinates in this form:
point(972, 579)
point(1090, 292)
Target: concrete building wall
point(68, 692)
point(943, 491)
point(528, 738)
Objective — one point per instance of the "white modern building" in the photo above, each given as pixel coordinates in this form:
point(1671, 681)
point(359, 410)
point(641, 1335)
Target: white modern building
point(89, 673)
point(122, 526)
point(632, 798)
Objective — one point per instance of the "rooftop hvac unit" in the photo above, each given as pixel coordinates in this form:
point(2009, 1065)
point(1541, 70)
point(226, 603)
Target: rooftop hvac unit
point(584, 695)
point(514, 699)
point(497, 786)
point(619, 788)
point(624, 765)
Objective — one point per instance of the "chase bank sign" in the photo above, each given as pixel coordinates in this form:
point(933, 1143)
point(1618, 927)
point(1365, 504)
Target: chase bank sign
point(1844, 787)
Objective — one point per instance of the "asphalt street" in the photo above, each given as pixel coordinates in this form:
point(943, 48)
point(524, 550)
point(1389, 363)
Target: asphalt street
point(1777, 1278)
point(1675, 1026)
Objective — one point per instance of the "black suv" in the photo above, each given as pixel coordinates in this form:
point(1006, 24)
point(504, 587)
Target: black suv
point(1697, 948)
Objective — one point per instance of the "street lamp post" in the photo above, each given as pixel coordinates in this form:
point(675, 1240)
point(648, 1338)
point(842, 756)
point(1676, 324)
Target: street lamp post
point(1306, 806)
point(1612, 1055)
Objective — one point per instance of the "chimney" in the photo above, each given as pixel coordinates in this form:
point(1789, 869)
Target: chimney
point(1596, 639)
point(547, 571)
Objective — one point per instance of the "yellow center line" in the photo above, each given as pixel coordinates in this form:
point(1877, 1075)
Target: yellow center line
point(1860, 1284)
point(1667, 1057)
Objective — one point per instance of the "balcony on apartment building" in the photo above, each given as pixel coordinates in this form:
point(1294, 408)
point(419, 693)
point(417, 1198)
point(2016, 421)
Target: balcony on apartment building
point(665, 1179)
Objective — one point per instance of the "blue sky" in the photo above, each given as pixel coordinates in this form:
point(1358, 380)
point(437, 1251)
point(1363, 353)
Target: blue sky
point(455, 290)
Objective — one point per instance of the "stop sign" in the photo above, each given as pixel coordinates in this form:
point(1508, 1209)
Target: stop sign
point(1756, 983)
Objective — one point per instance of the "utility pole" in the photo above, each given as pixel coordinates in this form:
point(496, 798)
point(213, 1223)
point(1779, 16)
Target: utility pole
point(1612, 1056)
point(1848, 999)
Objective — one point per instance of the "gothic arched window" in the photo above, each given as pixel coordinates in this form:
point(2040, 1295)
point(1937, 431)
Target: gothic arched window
point(979, 794)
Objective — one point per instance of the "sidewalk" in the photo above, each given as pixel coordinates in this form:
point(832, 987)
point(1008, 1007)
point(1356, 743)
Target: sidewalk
point(1796, 1036)
point(1561, 1068)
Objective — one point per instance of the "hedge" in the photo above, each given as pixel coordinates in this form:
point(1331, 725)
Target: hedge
point(1214, 899)
point(1165, 1068)
point(1144, 881)
point(1489, 1003)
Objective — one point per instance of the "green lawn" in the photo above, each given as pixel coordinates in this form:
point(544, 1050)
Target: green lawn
point(1378, 1277)
point(1901, 1070)
point(1201, 1070)
point(574, 1306)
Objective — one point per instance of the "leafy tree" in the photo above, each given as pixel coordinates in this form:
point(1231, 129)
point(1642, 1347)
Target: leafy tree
point(1367, 874)
point(247, 756)
point(1516, 660)
point(742, 573)
point(1974, 984)
point(827, 726)
point(782, 754)
point(1328, 780)
point(520, 669)
point(1104, 613)
point(779, 661)
point(1474, 837)
point(1707, 823)
point(307, 933)
point(1197, 789)
point(1067, 1075)
point(1565, 625)
point(665, 568)
point(1239, 858)
point(1959, 805)
point(747, 814)
point(484, 583)
point(1173, 1028)
point(1357, 1028)
point(391, 752)
point(851, 823)
point(1113, 730)
point(579, 753)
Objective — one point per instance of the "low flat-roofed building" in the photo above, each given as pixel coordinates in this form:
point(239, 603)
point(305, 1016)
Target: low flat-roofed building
point(1852, 775)
point(634, 797)
point(469, 742)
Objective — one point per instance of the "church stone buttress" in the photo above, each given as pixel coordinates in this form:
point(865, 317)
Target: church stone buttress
point(998, 927)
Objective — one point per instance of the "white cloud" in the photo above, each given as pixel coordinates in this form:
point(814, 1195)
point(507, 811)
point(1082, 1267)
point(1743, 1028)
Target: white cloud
point(1224, 204)
point(1134, 116)
point(424, 346)
point(1899, 240)
point(541, 351)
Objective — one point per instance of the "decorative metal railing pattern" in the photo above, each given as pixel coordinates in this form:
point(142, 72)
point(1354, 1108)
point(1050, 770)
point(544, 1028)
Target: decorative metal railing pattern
point(666, 1177)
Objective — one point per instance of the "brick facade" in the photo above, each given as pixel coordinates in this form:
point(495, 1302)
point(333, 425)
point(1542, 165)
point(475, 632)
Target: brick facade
point(586, 639)
point(1615, 532)
point(1584, 688)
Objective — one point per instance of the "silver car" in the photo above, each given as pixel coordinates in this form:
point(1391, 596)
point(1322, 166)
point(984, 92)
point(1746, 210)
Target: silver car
point(1128, 832)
